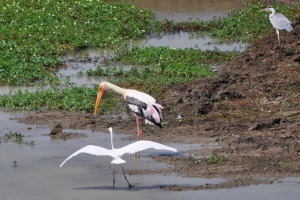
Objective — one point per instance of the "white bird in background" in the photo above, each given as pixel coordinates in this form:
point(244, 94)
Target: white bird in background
point(138, 102)
point(279, 21)
point(117, 153)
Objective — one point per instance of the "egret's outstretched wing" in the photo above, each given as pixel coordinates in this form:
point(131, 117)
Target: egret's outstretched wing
point(90, 149)
point(143, 145)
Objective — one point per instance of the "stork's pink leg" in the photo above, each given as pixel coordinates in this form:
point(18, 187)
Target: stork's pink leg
point(141, 130)
point(136, 155)
point(137, 126)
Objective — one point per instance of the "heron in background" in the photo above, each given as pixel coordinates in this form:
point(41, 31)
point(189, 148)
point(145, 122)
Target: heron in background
point(279, 21)
point(117, 153)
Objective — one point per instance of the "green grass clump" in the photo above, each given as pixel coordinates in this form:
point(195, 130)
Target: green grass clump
point(35, 33)
point(213, 159)
point(16, 137)
point(158, 67)
point(68, 99)
point(152, 56)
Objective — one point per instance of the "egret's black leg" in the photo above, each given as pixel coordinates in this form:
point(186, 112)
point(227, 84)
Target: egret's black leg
point(129, 185)
point(114, 177)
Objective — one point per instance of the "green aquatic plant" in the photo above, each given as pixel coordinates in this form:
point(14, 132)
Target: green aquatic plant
point(213, 159)
point(35, 33)
point(55, 98)
point(158, 67)
point(158, 55)
point(16, 137)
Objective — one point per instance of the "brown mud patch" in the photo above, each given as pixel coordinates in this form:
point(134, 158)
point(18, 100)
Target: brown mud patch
point(250, 108)
point(58, 133)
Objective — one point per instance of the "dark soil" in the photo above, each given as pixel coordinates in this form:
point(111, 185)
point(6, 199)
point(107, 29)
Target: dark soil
point(58, 133)
point(251, 108)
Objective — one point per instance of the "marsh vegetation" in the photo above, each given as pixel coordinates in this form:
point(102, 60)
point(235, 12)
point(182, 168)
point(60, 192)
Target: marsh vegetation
point(35, 34)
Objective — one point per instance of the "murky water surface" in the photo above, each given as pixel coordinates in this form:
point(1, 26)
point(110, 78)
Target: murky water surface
point(184, 10)
point(37, 174)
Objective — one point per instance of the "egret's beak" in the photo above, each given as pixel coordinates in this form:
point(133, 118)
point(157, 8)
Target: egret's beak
point(100, 94)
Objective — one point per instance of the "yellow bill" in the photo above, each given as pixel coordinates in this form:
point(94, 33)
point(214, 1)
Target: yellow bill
point(100, 94)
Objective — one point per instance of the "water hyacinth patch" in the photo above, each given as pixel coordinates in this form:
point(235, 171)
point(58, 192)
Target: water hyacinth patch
point(59, 98)
point(159, 67)
point(156, 55)
point(35, 33)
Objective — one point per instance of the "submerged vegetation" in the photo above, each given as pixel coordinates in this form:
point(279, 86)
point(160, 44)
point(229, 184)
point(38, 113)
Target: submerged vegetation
point(34, 34)
point(16, 137)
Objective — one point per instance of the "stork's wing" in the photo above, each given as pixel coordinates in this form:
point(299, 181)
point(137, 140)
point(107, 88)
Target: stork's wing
point(145, 106)
point(90, 149)
point(143, 145)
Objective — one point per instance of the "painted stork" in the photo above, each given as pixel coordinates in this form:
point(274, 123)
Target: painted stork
point(140, 103)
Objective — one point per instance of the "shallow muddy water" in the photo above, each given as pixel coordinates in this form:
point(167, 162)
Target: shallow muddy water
point(183, 40)
point(37, 174)
point(89, 59)
point(184, 10)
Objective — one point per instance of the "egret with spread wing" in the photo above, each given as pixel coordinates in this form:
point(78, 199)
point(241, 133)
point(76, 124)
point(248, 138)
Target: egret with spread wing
point(279, 21)
point(117, 153)
point(140, 103)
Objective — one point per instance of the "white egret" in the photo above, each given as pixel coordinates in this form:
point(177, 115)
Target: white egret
point(140, 103)
point(279, 21)
point(118, 152)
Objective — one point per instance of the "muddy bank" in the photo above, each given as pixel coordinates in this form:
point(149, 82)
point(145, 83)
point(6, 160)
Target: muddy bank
point(250, 108)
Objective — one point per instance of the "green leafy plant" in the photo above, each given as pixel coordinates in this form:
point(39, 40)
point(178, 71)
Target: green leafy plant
point(16, 138)
point(213, 159)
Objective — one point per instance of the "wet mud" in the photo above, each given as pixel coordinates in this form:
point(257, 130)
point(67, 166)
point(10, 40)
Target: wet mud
point(250, 108)
point(58, 133)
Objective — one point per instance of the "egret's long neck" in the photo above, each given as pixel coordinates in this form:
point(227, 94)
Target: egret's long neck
point(116, 89)
point(111, 140)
